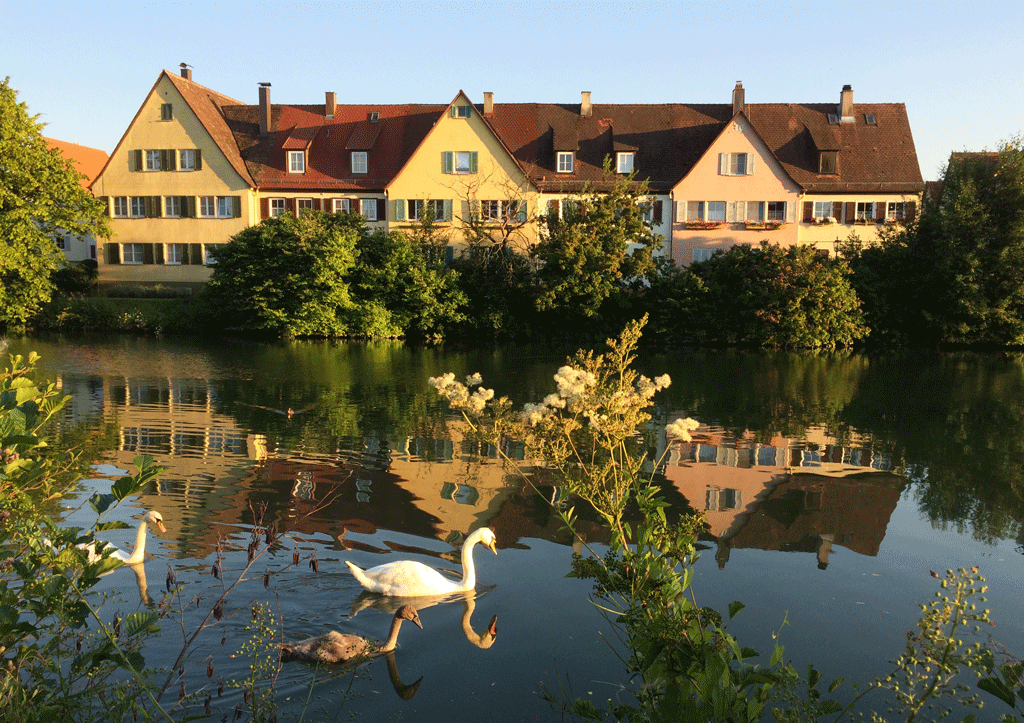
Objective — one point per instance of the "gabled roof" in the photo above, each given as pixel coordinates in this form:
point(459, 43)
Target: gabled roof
point(87, 161)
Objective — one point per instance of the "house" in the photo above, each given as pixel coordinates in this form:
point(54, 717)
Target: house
point(196, 167)
point(88, 162)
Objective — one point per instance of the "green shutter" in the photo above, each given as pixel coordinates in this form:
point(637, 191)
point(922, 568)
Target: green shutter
point(147, 253)
point(449, 254)
point(113, 252)
point(472, 161)
point(474, 210)
point(521, 216)
point(399, 209)
point(195, 254)
point(236, 206)
point(199, 160)
point(452, 111)
point(158, 253)
point(165, 161)
point(447, 162)
point(106, 204)
point(447, 209)
point(135, 162)
point(188, 206)
point(172, 160)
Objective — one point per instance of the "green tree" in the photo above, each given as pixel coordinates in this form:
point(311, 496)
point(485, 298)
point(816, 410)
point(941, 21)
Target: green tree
point(39, 193)
point(775, 297)
point(287, 277)
point(597, 252)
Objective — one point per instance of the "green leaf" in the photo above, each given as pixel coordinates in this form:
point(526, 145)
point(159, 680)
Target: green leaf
point(813, 676)
point(997, 688)
point(101, 503)
point(776, 656)
point(114, 525)
point(734, 607)
point(136, 623)
point(835, 684)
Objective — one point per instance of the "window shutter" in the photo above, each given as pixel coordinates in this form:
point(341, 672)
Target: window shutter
point(657, 212)
point(399, 209)
point(472, 161)
point(750, 164)
point(452, 111)
point(195, 254)
point(158, 253)
point(113, 253)
point(382, 209)
point(447, 161)
point(147, 207)
point(790, 214)
point(808, 211)
point(851, 212)
point(199, 160)
point(236, 206)
point(522, 214)
point(106, 204)
point(447, 209)
point(880, 211)
point(730, 212)
point(135, 160)
point(188, 206)
point(723, 164)
point(837, 210)
point(449, 254)
point(147, 253)
point(910, 210)
point(553, 207)
point(680, 211)
point(172, 160)
point(292, 205)
point(264, 208)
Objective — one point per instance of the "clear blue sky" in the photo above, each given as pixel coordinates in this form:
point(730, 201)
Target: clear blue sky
point(86, 67)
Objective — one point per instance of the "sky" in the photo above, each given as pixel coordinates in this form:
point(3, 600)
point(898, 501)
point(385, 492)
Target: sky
point(86, 67)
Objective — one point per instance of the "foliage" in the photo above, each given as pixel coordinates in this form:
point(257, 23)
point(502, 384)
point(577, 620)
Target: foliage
point(76, 278)
point(498, 283)
point(596, 251)
point(155, 317)
point(775, 297)
point(287, 276)
point(39, 194)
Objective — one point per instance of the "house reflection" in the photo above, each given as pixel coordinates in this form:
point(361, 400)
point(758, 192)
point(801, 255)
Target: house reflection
point(788, 495)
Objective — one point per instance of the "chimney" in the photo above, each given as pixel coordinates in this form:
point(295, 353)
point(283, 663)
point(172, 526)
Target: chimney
point(488, 103)
point(586, 110)
point(737, 99)
point(846, 104)
point(186, 72)
point(264, 108)
point(331, 104)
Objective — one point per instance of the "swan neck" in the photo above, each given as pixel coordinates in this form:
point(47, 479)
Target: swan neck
point(139, 551)
point(468, 570)
point(392, 640)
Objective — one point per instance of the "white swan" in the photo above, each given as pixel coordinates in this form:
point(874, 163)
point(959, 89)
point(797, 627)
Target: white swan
point(335, 647)
point(139, 552)
point(408, 578)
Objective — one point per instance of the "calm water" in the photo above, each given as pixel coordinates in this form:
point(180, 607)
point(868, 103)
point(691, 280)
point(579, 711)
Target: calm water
point(832, 484)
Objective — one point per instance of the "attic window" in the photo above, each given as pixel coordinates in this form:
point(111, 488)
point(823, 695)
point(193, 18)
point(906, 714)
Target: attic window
point(166, 112)
point(828, 162)
point(460, 111)
point(833, 119)
point(374, 116)
point(870, 120)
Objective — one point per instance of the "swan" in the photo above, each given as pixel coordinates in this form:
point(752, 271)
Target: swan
point(139, 552)
point(335, 647)
point(412, 579)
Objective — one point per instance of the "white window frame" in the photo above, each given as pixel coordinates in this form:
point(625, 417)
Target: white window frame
point(208, 259)
point(368, 208)
point(703, 254)
point(463, 162)
point(775, 214)
point(152, 160)
point(491, 211)
point(60, 241)
point(296, 161)
point(360, 162)
point(277, 206)
point(225, 207)
point(172, 206)
point(695, 210)
point(711, 210)
point(463, 111)
point(303, 205)
point(132, 253)
point(823, 206)
point(566, 161)
point(121, 207)
point(624, 162)
point(207, 207)
point(174, 254)
point(137, 207)
point(187, 159)
point(896, 211)
point(342, 205)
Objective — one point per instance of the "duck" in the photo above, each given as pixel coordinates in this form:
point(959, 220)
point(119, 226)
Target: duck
point(335, 647)
point(407, 578)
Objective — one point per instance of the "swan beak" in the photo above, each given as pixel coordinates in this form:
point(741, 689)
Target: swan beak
point(418, 623)
point(160, 525)
point(492, 629)
point(492, 548)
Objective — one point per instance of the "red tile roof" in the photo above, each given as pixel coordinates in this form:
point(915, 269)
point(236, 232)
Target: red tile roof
point(87, 161)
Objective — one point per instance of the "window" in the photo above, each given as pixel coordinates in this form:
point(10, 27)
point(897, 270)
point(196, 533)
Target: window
point(897, 211)
point(359, 162)
point(735, 164)
point(459, 161)
point(277, 207)
point(716, 211)
point(755, 211)
point(565, 162)
point(865, 211)
point(296, 161)
point(463, 162)
point(822, 209)
point(701, 255)
point(304, 205)
point(461, 111)
point(138, 207)
point(490, 210)
point(624, 162)
point(175, 254)
point(776, 211)
point(120, 207)
point(131, 253)
point(166, 112)
point(208, 257)
point(870, 119)
point(207, 206)
point(152, 160)
point(419, 208)
point(172, 206)
point(695, 211)
point(829, 162)
point(59, 240)
point(187, 160)
point(225, 207)
point(368, 208)
point(341, 205)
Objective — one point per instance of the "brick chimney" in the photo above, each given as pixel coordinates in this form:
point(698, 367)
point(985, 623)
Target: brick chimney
point(331, 104)
point(586, 110)
point(186, 72)
point(488, 103)
point(737, 99)
point(264, 108)
point(846, 104)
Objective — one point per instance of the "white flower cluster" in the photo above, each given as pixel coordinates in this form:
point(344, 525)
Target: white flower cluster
point(646, 388)
point(458, 394)
point(573, 383)
point(681, 428)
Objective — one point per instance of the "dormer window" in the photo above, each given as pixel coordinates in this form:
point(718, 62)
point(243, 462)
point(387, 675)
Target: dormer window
point(829, 162)
point(359, 162)
point(565, 161)
point(624, 162)
point(374, 116)
point(296, 161)
point(461, 111)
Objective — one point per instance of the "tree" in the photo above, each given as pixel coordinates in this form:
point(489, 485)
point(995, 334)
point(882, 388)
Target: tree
point(288, 276)
point(600, 246)
point(39, 194)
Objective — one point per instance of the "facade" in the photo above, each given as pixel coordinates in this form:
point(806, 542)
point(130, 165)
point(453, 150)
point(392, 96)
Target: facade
point(195, 167)
point(88, 162)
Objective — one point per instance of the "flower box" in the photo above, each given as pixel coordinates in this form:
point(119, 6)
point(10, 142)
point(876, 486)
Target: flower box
point(701, 225)
point(754, 225)
point(824, 221)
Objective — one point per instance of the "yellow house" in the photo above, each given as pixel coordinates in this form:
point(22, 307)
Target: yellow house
point(465, 178)
point(175, 185)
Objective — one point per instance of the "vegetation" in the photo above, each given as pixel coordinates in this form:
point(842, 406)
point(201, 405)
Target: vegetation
point(39, 194)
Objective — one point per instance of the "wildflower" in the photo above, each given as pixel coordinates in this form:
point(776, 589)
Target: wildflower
point(533, 414)
point(474, 379)
point(681, 428)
